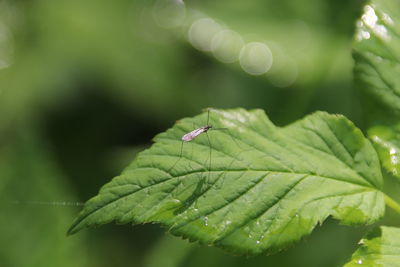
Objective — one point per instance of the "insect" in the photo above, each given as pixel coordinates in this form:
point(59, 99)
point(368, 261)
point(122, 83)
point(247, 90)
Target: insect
point(195, 133)
point(190, 136)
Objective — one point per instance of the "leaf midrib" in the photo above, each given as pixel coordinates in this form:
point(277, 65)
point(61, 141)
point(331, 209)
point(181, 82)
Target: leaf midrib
point(269, 155)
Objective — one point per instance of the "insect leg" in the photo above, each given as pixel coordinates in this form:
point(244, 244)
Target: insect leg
point(209, 164)
point(176, 162)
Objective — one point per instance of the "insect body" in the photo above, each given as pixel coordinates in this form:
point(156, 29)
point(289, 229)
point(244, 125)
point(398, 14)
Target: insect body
point(193, 134)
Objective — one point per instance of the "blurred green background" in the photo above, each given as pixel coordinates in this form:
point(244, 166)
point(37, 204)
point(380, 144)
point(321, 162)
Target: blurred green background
point(84, 85)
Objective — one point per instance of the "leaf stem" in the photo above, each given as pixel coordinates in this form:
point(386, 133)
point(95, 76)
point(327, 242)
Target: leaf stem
point(393, 204)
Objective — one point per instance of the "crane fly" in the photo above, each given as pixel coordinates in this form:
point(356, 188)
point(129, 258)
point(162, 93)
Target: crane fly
point(195, 133)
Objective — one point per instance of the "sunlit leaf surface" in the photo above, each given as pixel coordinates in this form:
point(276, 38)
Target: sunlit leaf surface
point(377, 52)
point(387, 143)
point(257, 188)
point(381, 247)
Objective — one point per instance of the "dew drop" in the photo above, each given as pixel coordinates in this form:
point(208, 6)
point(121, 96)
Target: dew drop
point(359, 261)
point(176, 201)
point(258, 242)
point(206, 221)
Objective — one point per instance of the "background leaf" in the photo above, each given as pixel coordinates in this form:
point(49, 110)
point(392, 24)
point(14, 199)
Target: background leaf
point(377, 52)
point(377, 64)
point(386, 140)
point(380, 247)
point(259, 188)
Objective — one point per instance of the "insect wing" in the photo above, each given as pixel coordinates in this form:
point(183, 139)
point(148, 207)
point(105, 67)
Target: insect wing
point(193, 134)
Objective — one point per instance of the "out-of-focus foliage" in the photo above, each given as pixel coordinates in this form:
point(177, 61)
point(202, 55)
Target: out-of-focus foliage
point(377, 65)
point(377, 52)
point(86, 81)
point(118, 49)
point(32, 233)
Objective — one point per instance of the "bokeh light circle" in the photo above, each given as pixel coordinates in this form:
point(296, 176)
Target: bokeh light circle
point(255, 58)
point(169, 13)
point(226, 46)
point(202, 32)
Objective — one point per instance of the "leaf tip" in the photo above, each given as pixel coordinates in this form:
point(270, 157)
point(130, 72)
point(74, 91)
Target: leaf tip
point(72, 230)
point(75, 227)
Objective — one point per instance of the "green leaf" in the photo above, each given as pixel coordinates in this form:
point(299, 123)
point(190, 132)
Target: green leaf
point(377, 52)
point(380, 247)
point(386, 140)
point(258, 189)
point(377, 65)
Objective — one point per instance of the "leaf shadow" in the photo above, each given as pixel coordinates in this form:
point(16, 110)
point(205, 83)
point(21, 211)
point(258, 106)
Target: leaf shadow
point(197, 192)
